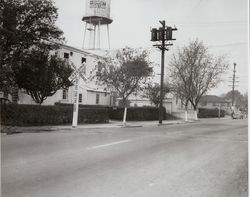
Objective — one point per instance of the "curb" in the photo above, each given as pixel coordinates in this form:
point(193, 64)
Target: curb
point(16, 130)
point(131, 126)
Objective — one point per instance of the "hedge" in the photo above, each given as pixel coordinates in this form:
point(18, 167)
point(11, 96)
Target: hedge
point(35, 115)
point(210, 113)
point(138, 113)
point(26, 115)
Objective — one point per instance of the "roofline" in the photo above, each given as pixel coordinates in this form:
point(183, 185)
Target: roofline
point(79, 50)
point(217, 101)
point(100, 91)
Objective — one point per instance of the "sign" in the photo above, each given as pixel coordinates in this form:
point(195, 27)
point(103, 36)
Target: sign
point(99, 8)
point(80, 71)
point(76, 102)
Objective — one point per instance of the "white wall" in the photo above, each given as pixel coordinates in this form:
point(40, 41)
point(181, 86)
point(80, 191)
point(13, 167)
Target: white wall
point(181, 115)
point(168, 106)
point(104, 98)
point(140, 103)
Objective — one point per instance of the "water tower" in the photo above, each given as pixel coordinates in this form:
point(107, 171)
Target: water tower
point(97, 15)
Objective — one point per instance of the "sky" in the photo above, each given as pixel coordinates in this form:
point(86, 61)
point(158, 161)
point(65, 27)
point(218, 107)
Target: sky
point(222, 25)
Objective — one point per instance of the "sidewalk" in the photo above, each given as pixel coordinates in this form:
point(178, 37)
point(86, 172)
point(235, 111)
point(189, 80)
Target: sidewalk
point(111, 124)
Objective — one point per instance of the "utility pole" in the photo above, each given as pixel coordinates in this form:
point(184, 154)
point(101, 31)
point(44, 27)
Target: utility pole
point(219, 111)
point(163, 34)
point(233, 85)
point(162, 70)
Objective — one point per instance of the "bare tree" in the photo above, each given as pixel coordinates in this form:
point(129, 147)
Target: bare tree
point(194, 71)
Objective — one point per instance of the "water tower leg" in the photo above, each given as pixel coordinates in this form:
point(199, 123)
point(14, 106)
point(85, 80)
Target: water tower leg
point(99, 34)
point(94, 36)
point(84, 35)
point(108, 36)
point(90, 36)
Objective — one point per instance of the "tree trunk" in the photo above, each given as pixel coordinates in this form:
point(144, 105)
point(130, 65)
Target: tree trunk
point(186, 115)
point(186, 111)
point(195, 110)
point(124, 103)
point(124, 116)
point(195, 114)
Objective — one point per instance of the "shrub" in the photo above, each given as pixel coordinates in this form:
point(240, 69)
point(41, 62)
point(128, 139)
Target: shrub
point(138, 113)
point(210, 113)
point(27, 115)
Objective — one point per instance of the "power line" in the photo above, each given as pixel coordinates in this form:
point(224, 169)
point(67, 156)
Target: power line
point(228, 44)
point(211, 46)
point(211, 23)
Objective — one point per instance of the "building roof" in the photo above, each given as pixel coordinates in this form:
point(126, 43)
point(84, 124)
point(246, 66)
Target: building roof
point(99, 52)
point(98, 91)
point(213, 99)
point(84, 52)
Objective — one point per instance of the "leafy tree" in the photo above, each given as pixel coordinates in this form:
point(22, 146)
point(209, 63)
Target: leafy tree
point(7, 25)
point(25, 25)
point(153, 93)
point(194, 71)
point(240, 100)
point(125, 72)
point(41, 74)
point(245, 99)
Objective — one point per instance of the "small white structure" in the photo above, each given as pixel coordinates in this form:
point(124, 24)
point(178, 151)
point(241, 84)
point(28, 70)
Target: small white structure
point(172, 104)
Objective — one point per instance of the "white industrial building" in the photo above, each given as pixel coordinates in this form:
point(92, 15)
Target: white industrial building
point(90, 93)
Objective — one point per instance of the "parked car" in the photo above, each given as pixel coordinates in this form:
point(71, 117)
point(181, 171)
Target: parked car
point(237, 115)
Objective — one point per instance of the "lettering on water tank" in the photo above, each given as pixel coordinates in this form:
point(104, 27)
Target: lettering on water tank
point(97, 4)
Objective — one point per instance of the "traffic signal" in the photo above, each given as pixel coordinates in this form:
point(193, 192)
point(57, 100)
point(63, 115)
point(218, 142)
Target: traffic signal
point(169, 33)
point(154, 34)
point(160, 34)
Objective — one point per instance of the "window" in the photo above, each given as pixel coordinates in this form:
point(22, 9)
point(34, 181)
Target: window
point(182, 106)
point(203, 103)
point(15, 95)
point(71, 53)
point(5, 94)
point(114, 100)
point(214, 104)
point(83, 59)
point(97, 98)
point(65, 94)
point(80, 98)
point(66, 56)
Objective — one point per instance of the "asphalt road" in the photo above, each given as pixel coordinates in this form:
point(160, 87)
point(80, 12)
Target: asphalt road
point(208, 158)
